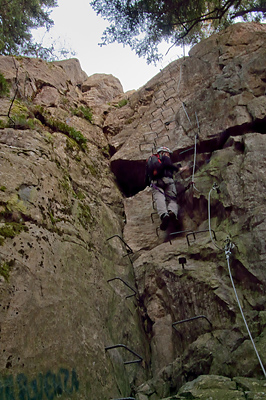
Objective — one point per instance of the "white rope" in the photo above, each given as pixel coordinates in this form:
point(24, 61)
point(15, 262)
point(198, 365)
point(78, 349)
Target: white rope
point(227, 254)
point(186, 113)
point(227, 250)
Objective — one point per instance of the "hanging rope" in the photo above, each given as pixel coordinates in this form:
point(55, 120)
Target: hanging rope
point(228, 248)
point(214, 187)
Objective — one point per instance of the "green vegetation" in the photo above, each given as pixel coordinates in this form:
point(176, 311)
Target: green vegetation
point(80, 195)
point(83, 112)
point(11, 229)
point(84, 215)
point(5, 269)
point(20, 109)
point(4, 86)
point(14, 203)
point(22, 122)
point(144, 24)
point(65, 184)
point(17, 18)
point(106, 151)
point(71, 144)
point(58, 126)
point(92, 169)
point(51, 215)
point(2, 188)
point(121, 103)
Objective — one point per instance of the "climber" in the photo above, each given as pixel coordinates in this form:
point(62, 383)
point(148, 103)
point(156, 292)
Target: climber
point(159, 175)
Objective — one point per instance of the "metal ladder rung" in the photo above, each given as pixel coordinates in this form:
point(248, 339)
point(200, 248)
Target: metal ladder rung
point(127, 348)
point(129, 250)
point(190, 319)
point(196, 232)
point(122, 280)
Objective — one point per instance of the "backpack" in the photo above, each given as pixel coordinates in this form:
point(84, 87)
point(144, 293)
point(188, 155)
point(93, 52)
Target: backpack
point(153, 166)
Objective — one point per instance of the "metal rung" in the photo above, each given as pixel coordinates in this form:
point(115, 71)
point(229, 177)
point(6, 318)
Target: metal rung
point(129, 250)
point(194, 234)
point(153, 213)
point(184, 151)
point(122, 280)
point(125, 398)
point(190, 319)
point(131, 351)
point(177, 233)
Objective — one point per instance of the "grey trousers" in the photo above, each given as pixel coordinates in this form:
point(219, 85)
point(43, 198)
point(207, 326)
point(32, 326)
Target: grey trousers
point(164, 195)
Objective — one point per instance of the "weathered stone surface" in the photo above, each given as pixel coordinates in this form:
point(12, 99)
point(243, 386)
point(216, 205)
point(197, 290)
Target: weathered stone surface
point(73, 70)
point(67, 231)
point(101, 88)
point(58, 206)
point(217, 387)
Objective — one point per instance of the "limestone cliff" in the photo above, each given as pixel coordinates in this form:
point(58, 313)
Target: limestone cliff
point(79, 234)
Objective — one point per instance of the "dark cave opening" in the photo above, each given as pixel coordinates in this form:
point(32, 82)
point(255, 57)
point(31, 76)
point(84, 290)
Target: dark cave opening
point(130, 174)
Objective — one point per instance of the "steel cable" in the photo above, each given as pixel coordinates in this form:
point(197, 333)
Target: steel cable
point(229, 245)
point(227, 255)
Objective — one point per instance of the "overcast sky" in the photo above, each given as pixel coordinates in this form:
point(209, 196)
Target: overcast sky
point(77, 26)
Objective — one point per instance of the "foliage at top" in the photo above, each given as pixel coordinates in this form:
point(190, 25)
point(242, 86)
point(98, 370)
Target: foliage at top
point(144, 24)
point(17, 18)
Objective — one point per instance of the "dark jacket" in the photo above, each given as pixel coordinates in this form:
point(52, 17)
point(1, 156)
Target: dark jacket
point(157, 168)
point(168, 167)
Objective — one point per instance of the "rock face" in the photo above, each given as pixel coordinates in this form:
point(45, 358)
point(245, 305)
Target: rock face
point(79, 233)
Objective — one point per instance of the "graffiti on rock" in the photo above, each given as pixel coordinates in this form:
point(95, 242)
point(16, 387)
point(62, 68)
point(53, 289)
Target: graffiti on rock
point(43, 387)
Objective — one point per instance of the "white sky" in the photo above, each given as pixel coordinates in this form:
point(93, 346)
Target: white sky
point(77, 27)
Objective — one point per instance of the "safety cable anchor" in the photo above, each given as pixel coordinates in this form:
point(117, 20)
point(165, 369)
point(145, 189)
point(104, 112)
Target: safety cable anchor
point(215, 186)
point(169, 122)
point(229, 245)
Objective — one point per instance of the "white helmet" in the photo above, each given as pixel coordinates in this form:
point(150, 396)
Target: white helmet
point(164, 149)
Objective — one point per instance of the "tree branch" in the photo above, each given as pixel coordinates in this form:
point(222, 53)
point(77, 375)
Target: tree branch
point(251, 10)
